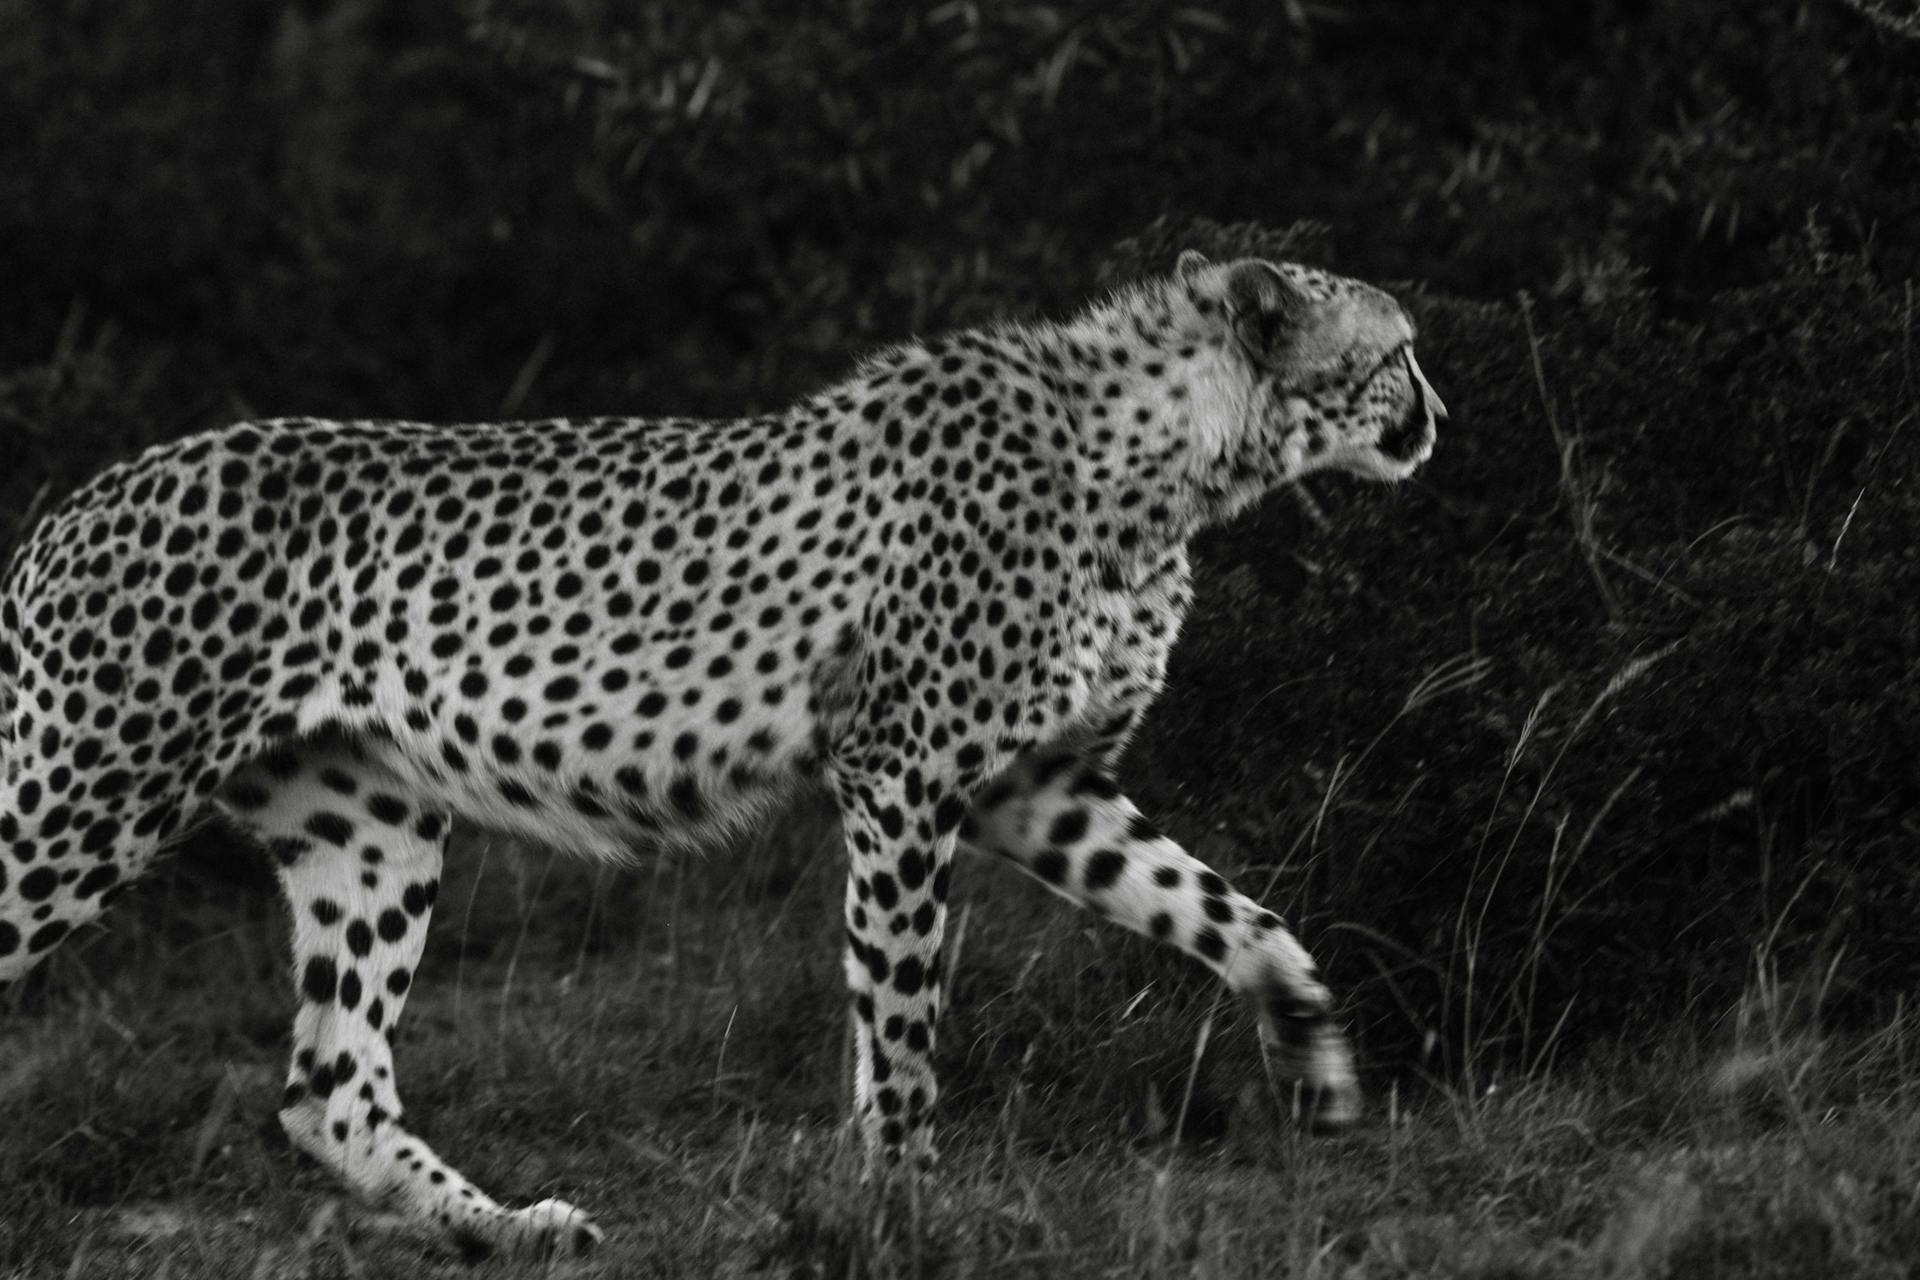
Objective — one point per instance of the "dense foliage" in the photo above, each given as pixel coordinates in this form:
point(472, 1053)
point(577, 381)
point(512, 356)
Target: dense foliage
point(1616, 703)
point(1610, 706)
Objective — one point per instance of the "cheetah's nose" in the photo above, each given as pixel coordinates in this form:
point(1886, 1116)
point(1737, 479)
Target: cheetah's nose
point(1424, 393)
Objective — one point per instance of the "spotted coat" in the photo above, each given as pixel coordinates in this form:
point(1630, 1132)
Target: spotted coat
point(947, 586)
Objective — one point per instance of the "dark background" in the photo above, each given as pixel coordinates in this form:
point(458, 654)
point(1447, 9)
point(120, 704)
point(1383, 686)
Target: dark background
point(1608, 714)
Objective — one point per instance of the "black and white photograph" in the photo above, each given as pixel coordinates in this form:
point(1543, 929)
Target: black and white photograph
point(991, 638)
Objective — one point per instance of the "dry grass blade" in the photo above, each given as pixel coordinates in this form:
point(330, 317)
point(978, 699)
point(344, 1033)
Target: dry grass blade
point(1900, 18)
point(219, 1110)
point(1454, 675)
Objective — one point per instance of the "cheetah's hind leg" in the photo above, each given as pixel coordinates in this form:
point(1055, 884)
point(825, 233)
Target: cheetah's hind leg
point(359, 859)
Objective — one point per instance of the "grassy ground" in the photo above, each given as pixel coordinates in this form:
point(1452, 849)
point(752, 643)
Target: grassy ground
point(664, 1048)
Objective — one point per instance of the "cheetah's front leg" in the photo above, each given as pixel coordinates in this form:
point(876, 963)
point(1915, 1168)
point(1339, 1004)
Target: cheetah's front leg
point(360, 866)
point(1063, 820)
point(900, 837)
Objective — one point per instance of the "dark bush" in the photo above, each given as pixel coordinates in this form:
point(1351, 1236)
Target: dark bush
point(1609, 705)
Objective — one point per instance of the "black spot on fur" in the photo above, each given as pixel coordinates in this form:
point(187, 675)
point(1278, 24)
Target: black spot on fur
point(330, 827)
point(1068, 828)
point(1104, 868)
point(1050, 865)
point(319, 980)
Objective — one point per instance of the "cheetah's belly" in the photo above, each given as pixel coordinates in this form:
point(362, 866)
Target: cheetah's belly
point(616, 781)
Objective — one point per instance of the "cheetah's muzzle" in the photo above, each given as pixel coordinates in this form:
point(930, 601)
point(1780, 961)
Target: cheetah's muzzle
point(1412, 438)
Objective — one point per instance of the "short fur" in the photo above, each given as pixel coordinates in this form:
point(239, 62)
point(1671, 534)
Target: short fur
point(947, 586)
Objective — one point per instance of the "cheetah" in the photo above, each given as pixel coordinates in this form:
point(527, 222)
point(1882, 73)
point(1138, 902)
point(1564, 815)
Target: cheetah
point(947, 587)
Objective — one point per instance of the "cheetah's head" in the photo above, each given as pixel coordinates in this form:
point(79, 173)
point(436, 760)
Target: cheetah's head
point(1318, 371)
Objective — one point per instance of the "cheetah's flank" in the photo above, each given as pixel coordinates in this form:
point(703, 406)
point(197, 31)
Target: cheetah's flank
point(947, 586)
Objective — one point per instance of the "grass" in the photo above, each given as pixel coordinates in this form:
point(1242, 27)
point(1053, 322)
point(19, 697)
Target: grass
point(675, 1065)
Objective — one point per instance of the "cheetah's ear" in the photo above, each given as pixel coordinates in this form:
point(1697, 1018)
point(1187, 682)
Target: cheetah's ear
point(1189, 261)
point(1265, 309)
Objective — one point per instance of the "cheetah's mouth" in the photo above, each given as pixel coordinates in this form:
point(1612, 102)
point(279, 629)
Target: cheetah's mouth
point(1410, 440)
